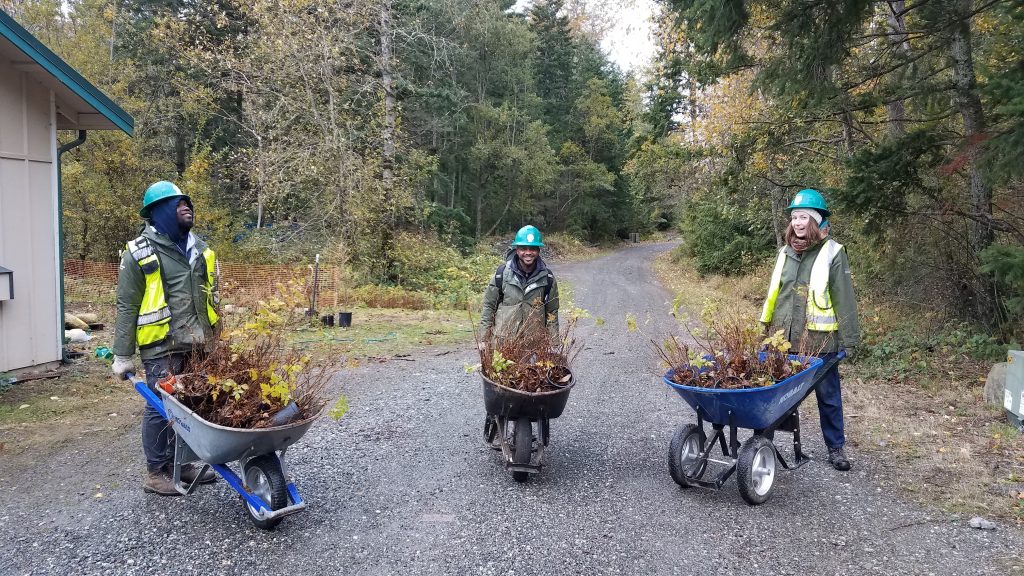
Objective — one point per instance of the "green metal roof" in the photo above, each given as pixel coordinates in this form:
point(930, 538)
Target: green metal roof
point(67, 76)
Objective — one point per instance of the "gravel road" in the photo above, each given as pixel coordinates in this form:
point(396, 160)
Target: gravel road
point(404, 485)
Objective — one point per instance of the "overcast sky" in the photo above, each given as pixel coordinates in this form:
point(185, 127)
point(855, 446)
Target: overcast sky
point(629, 43)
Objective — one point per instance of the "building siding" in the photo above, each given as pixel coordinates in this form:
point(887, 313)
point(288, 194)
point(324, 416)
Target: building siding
point(29, 324)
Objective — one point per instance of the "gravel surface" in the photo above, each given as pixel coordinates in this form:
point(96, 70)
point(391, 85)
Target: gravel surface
point(404, 485)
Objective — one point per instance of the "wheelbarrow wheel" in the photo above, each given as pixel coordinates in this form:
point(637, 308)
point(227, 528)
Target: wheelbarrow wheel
point(523, 435)
point(684, 461)
point(265, 479)
point(755, 470)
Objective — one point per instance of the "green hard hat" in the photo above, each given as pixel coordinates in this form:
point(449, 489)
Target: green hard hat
point(157, 192)
point(809, 198)
point(528, 236)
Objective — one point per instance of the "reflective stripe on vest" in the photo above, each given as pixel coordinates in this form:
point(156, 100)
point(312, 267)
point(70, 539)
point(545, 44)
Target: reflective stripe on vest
point(154, 321)
point(821, 317)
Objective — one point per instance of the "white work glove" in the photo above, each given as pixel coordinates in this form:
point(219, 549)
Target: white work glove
point(123, 365)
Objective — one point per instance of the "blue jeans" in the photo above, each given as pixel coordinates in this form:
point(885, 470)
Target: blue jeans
point(157, 435)
point(830, 406)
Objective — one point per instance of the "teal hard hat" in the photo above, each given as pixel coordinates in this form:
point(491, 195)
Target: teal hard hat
point(528, 236)
point(809, 198)
point(159, 191)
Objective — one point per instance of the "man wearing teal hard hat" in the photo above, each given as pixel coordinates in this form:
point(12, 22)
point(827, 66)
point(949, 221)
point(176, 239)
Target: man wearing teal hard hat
point(811, 301)
point(522, 297)
point(520, 302)
point(167, 309)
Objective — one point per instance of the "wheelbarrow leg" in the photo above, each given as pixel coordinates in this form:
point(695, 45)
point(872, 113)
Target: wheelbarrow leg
point(183, 454)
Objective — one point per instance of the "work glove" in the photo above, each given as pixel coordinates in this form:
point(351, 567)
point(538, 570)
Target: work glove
point(122, 365)
point(851, 354)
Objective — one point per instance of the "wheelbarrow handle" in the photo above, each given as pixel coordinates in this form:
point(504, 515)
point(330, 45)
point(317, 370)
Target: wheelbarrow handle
point(143, 389)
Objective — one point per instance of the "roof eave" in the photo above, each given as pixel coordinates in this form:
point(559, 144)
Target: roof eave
point(53, 65)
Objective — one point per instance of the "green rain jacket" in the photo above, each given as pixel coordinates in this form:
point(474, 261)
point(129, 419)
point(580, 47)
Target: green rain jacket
point(184, 284)
point(791, 305)
point(512, 302)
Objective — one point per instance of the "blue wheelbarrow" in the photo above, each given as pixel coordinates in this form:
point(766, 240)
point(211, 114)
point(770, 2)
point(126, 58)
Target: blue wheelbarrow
point(267, 493)
point(764, 410)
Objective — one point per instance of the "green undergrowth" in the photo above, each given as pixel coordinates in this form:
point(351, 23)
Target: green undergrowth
point(386, 333)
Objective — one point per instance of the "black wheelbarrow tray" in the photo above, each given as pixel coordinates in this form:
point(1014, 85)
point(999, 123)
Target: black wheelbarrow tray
point(515, 413)
point(764, 410)
point(268, 494)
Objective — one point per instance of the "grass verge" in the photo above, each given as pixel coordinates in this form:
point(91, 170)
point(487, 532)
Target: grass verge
point(38, 416)
point(914, 402)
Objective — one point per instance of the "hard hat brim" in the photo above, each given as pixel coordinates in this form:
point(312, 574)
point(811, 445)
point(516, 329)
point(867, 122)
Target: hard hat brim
point(144, 212)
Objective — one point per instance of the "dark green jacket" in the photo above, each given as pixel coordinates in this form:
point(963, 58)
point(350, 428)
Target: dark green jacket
point(791, 306)
point(184, 289)
point(512, 303)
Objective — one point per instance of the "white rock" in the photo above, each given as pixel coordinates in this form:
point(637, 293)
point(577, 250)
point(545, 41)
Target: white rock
point(981, 524)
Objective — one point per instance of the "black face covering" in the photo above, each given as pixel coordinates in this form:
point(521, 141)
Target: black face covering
point(164, 217)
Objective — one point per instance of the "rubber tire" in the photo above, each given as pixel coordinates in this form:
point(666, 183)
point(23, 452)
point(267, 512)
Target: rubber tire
point(675, 462)
point(268, 466)
point(545, 427)
point(523, 436)
point(744, 469)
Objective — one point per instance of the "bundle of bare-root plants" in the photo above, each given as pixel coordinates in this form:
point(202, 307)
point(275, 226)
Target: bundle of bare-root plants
point(530, 361)
point(252, 378)
point(732, 354)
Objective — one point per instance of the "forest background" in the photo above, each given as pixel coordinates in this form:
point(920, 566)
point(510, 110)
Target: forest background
point(394, 137)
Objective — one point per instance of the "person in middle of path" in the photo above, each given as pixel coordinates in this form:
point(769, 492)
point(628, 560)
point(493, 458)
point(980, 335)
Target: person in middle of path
point(811, 300)
point(521, 300)
point(521, 303)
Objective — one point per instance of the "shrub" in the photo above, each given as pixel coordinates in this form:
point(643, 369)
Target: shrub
point(724, 240)
point(446, 277)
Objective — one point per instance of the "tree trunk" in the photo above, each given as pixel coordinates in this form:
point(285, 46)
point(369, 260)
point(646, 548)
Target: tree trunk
point(179, 153)
point(778, 207)
point(968, 102)
point(388, 143)
point(847, 117)
point(691, 104)
point(901, 47)
point(479, 201)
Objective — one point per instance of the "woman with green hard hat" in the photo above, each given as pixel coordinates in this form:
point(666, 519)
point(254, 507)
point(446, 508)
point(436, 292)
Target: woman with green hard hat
point(522, 298)
point(811, 300)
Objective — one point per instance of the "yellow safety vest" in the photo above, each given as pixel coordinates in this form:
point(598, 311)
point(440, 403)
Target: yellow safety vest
point(821, 316)
point(154, 321)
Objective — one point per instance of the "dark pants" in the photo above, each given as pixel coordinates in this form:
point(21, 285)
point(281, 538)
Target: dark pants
point(830, 406)
point(157, 435)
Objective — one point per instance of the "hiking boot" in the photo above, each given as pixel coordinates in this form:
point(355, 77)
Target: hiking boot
point(837, 458)
point(189, 472)
point(160, 482)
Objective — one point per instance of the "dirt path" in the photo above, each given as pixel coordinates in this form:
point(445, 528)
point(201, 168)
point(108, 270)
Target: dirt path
point(404, 485)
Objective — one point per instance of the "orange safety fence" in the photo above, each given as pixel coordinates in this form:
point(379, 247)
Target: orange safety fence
point(96, 282)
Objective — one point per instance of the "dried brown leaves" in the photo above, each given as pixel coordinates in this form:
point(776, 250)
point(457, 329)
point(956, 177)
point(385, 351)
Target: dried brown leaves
point(733, 354)
point(252, 374)
point(529, 360)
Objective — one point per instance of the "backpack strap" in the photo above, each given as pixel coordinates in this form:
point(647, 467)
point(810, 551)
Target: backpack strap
point(499, 280)
point(547, 289)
